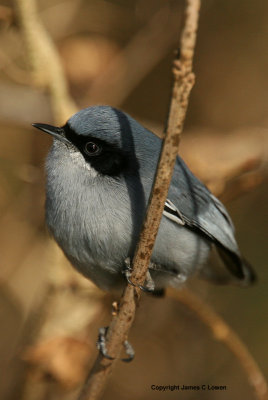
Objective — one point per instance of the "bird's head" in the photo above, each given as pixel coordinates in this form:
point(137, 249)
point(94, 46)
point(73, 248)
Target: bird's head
point(105, 137)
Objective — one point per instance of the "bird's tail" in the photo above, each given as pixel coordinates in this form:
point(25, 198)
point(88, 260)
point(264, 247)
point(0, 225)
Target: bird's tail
point(225, 267)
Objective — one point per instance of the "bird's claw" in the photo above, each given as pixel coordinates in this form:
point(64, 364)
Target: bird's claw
point(127, 272)
point(101, 345)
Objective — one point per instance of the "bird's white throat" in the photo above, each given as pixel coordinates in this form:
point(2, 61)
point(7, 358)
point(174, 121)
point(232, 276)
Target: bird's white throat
point(78, 159)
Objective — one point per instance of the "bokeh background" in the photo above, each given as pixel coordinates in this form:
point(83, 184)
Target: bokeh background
point(120, 53)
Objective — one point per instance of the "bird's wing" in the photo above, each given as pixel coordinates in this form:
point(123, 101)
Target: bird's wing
point(191, 204)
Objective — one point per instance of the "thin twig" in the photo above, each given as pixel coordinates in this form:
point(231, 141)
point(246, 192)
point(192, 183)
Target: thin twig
point(227, 336)
point(122, 321)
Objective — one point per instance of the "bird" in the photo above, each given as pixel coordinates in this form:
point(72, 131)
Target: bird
point(99, 175)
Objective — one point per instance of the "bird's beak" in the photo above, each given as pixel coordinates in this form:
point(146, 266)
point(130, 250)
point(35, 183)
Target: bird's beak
point(56, 132)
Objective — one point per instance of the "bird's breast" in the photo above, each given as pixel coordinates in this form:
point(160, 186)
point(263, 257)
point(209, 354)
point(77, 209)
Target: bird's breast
point(91, 221)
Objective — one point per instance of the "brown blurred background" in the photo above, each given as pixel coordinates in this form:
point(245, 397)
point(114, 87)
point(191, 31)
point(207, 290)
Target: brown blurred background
point(120, 53)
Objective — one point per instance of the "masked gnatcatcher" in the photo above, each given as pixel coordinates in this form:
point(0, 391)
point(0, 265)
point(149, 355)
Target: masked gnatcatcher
point(100, 172)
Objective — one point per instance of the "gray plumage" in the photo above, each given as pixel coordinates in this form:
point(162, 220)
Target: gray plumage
point(100, 171)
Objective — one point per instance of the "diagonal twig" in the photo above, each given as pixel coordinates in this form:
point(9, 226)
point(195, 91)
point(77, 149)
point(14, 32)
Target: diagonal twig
point(122, 321)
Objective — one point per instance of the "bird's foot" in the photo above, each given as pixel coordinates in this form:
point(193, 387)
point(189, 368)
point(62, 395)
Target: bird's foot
point(149, 288)
point(101, 345)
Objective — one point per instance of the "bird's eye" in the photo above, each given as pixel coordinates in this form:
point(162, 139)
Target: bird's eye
point(92, 149)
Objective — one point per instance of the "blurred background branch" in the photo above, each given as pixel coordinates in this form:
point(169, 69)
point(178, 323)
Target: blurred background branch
point(222, 332)
point(44, 61)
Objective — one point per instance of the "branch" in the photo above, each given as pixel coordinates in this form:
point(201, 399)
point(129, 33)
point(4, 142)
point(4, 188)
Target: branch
point(227, 336)
point(122, 321)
